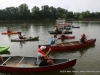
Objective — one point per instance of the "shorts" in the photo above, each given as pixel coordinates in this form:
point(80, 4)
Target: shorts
point(44, 63)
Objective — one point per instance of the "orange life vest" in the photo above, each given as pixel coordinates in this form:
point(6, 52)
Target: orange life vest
point(40, 51)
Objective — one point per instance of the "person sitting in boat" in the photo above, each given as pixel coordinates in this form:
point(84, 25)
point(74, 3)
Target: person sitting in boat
point(9, 30)
point(56, 29)
point(83, 38)
point(21, 36)
point(63, 34)
point(53, 41)
point(43, 58)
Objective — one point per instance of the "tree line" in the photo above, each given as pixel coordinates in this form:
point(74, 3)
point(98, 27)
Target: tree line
point(22, 12)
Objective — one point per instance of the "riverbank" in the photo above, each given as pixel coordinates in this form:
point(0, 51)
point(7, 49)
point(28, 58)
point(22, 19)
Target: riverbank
point(48, 20)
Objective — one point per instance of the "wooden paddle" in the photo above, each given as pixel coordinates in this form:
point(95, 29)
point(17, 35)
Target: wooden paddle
point(20, 62)
point(62, 44)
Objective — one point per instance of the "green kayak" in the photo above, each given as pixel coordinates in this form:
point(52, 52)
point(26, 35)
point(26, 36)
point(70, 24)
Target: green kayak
point(3, 49)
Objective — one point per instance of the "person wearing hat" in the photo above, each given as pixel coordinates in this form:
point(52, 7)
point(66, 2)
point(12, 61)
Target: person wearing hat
point(83, 38)
point(42, 58)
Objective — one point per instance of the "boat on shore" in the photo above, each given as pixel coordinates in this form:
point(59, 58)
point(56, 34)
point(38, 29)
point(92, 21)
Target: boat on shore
point(21, 64)
point(69, 45)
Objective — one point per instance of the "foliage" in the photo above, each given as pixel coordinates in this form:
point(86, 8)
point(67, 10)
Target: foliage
point(22, 12)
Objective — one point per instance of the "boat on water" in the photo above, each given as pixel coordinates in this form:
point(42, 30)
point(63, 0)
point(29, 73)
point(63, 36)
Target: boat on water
point(4, 49)
point(60, 21)
point(75, 26)
point(69, 45)
point(60, 32)
point(66, 37)
point(21, 64)
point(15, 32)
point(27, 39)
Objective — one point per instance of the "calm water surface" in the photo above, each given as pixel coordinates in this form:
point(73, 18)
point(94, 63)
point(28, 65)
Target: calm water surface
point(88, 58)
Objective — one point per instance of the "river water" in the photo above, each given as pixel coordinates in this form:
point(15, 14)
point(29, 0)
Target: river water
point(88, 58)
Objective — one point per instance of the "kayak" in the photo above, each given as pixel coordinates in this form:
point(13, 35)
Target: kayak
point(10, 33)
point(22, 64)
point(3, 49)
point(60, 32)
point(66, 37)
point(28, 39)
point(75, 26)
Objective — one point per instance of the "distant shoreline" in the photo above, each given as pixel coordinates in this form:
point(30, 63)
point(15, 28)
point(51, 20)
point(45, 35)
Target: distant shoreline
point(48, 20)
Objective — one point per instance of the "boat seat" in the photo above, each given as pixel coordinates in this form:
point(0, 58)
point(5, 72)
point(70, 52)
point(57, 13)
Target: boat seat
point(71, 43)
point(62, 45)
point(6, 61)
point(80, 42)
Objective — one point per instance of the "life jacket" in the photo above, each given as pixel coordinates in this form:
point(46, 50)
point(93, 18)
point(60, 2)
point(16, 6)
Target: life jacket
point(62, 36)
point(82, 40)
point(40, 51)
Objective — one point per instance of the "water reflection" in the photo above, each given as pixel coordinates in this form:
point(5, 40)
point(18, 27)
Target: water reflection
point(6, 52)
point(69, 71)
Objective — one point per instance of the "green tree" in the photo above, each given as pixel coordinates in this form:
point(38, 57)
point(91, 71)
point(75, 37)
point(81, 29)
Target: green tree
point(24, 12)
point(35, 12)
point(45, 11)
point(80, 17)
point(69, 14)
point(53, 12)
point(60, 12)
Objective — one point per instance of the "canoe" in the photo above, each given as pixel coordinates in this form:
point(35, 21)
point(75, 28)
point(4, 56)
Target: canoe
point(10, 33)
point(60, 32)
point(3, 49)
point(28, 39)
point(70, 45)
point(20, 64)
point(66, 37)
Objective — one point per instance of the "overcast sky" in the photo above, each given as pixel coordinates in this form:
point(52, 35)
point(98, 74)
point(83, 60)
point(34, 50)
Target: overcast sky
point(70, 5)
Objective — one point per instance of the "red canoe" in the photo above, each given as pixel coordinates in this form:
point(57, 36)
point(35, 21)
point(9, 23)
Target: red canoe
point(10, 33)
point(20, 64)
point(70, 45)
point(66, 37)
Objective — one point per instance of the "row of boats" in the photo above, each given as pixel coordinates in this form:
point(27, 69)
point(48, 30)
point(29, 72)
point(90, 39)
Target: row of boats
point(24, 64)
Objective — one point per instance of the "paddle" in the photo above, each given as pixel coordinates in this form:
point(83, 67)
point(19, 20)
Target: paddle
point(62, 44)
point(20, 62)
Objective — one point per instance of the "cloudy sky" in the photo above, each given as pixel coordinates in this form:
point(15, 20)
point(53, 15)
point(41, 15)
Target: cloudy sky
point(70, 5)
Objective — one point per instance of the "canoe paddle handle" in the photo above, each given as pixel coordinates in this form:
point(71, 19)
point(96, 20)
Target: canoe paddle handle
point(20, 62)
